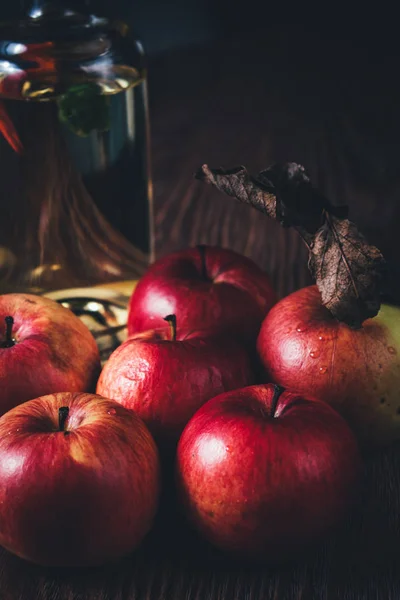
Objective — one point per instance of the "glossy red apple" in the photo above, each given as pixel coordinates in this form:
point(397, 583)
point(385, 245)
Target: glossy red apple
point(265, 474)
point(206, 287)
point(44, 348)
point(165, 376)
point(355, 370)
point(79, 480)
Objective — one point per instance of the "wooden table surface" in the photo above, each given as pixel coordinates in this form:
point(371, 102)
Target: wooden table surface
point(243, 102)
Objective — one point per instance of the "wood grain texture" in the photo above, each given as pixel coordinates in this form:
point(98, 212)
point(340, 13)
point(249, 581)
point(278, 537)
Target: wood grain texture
point(322, 104)
point(249, 103)
point(360, 562)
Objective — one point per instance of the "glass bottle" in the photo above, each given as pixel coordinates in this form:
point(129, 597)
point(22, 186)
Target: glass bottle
point(75, 192)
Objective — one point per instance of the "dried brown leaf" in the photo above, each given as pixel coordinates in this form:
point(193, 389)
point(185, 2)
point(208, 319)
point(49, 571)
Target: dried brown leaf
point(348, 271)
point(239, 184)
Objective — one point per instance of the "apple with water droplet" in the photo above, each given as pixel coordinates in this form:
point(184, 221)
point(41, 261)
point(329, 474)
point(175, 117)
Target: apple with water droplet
point(206, 287)
point(79, 480)
point(304, 348)
point(44, 348)
point(165, 376)
point(267, 473)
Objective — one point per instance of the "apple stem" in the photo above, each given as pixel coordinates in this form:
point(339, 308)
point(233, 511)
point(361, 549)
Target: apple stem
point(63, 412)
point(202, 251)
point(278, 390)
point(172, 326)
point(9, 341)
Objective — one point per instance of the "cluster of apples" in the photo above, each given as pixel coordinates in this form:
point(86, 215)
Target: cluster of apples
point(260, 470)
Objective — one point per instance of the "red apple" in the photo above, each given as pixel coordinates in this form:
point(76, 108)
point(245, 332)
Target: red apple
point(356, 370)
point(207, 287)
point(44, 348)
point(79, 480)
point(265, 474)
point(166, 376)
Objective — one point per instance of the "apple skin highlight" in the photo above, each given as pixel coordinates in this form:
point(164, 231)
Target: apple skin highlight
point(165, 380)
point(205, 286)
point(266, 483)
point(357, 371)
point(53, 351)
point(82, 492)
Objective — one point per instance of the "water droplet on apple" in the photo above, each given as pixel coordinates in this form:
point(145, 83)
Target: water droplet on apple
point(300, 328)
point(228, 448)
point(323, 370)
point(314, 353)
point(391, 350)
point(112, 411)
point(321, 338)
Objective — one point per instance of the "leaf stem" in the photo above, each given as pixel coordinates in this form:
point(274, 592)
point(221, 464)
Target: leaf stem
point(278, 391)
point(63, 413)
point(9, 342)
point(172, 326)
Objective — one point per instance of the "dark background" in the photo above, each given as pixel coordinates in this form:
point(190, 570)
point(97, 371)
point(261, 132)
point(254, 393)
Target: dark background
point(255, 82)
point(166, 24)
